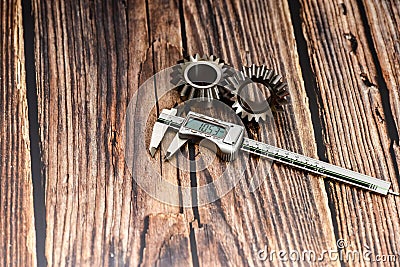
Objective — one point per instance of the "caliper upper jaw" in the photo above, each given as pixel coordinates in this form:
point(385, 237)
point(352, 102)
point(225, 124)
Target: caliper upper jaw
point(159, 130)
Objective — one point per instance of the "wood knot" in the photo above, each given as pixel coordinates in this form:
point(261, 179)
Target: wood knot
point(353, 41)
point(366, 81)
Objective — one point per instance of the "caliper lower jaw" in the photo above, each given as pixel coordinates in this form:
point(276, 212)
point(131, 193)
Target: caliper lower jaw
point(159, 130)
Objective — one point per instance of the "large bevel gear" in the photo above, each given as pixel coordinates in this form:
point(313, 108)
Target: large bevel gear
point(274, 90)
point(201, 77)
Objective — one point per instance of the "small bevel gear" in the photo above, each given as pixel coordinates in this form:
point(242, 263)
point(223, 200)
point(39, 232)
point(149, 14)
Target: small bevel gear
point(272, 95)
point(201, 77)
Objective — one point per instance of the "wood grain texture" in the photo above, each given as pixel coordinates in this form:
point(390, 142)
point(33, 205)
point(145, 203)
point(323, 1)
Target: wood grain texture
point(91, 58)
point(169, 246)
point(384, 24)
point(290, 210)
point(17, 229)
point(355, 130)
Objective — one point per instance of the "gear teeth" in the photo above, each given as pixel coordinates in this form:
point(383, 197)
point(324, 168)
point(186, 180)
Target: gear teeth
point(264, 116)
point(184, 90)
point(280, 87)
point(201, 93)
point(282, 94)
point(228, 157)
point(190, 91)
point(216, 60)
point(242, 76)
point(234, 82)
point(191, 94)
point(238, 108)
point(194, 59)
point(262, 71)
point(270, 79)
point(209, 94)
point(258, 72)
point(276, 79)
point(244, 70)
point(269, 75)
point(251, 117)
point(215, 92)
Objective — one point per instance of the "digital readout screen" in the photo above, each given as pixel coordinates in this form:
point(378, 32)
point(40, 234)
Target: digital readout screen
point(205, 127)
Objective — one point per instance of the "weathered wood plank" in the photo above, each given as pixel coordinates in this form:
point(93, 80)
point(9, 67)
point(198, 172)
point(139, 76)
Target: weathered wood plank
point(17, 229)
point(91, 58)
point(384, 24)
point(82, 63)
point(353, 121)
point(167, 239)
point(290, 210)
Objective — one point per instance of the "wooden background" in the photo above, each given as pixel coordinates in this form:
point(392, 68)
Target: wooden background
point(69, 69)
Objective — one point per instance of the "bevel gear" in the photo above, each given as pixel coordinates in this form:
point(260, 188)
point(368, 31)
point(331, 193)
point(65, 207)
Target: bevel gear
point(274, 92)
point(201, 77)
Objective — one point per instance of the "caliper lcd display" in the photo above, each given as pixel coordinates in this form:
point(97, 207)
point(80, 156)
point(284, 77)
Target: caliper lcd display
point(205, 127)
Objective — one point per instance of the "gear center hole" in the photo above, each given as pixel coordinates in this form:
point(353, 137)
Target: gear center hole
point(202, 75)
point(254, 97)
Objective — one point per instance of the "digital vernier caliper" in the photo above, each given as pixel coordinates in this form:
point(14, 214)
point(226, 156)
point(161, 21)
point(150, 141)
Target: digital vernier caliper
point(227, 139)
